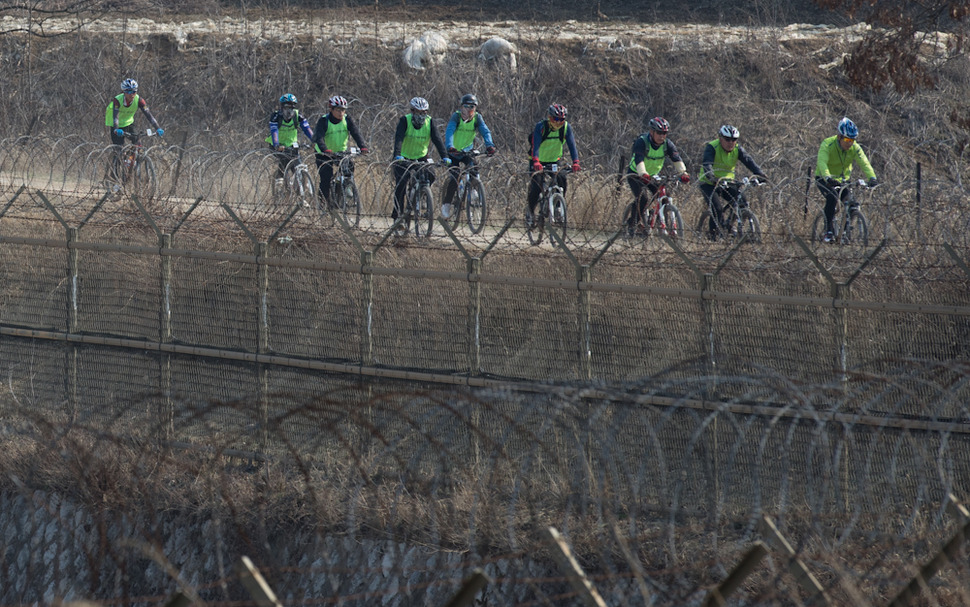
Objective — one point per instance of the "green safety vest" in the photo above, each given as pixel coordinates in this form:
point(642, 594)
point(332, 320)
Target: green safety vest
point(337, 135)
point(834, 161)
point(550, 148)
point(653, 160)
point(464, 134)
point(126, 114)
point(416, 141)
point(287, 130)
point(724, 162)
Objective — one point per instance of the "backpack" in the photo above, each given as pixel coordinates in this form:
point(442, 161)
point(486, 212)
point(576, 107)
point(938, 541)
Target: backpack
point(545, 133)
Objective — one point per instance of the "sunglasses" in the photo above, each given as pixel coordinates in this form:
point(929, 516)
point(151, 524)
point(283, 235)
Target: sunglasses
point(420, 112)
point(468, 106)
point(849, 139)
point(729, 138)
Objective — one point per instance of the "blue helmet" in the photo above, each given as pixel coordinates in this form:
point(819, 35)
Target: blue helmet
point(129, 85)
point(288, 98)
point(848, 129)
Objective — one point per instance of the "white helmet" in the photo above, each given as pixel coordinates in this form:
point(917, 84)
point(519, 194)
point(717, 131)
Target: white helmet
point(419, 103)
point(129, 85)
point(729, 132)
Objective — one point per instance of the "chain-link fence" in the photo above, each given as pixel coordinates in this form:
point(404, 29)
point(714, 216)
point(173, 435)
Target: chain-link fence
point(412, 408)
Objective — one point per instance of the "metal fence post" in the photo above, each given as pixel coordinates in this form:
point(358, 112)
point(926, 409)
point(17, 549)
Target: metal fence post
point(70, 377)
point(262, 249)
point(840, 293)
point(585, 276)
point(367, 309)
point(166, 415)
point(474, 315)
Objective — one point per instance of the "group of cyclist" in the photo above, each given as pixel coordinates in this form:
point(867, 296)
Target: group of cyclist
point(416, 132)
point(836, 156)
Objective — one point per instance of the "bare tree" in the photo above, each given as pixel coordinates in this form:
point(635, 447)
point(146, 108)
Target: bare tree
point(903, 31)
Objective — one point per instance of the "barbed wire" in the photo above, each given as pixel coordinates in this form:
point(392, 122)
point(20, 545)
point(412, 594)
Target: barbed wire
point(355, 493)
point(197, 180)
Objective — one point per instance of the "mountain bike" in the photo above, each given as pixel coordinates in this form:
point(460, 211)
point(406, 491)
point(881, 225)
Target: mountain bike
point(470, 197)
point(132, 172)
point(659, 214)
point(551, 209)
point(740, 221)
point(419, 201)
point(344, 195)
point(296, 185)
point(849, 226)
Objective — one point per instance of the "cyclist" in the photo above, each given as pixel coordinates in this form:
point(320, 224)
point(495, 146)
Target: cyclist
point(415, 134)
point(119, 116)
point(460, 139)
point(546, 143)
point(332, 134)
point(649, 152)
point(721, 157)
point(835, 158)
point(283, 125)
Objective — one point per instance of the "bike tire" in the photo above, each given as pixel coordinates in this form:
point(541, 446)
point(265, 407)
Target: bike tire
point(856, 230)
point(625, 221)
point(558, 221)
point(673, 222)
point(351, 203)
point(476, 210)
point(143, 182)
point(538, 228)
point(302, 188)
point(818, 228)
point(458, 204)
point(749, 227)
point(703, 229)
point(424, 215)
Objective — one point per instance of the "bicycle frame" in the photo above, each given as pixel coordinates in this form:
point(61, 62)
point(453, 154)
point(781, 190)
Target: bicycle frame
point(419, 201)
point(737, 217)
point(849, 223)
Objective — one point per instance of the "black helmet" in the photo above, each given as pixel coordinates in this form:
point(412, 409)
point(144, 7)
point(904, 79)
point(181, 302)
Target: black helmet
point(469, 99)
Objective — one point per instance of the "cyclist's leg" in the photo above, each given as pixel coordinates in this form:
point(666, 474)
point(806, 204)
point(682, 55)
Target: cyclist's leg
point(641, 197)
point(325, 171)
point(535, 188)
point(451, 182)
point(831, 202)
point(716, 211)
point(401, 176)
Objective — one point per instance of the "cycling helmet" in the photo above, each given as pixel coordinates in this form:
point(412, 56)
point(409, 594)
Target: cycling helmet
point(288, 98)
point(848, 129)
point(129, 85)
point(469, 99)
point(337, 102)
point(729, 131)
point(659, 124)
point(419, 103)
point(557, 111)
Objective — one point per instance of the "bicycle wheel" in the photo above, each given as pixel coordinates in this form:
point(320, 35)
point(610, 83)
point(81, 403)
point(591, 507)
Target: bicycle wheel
point(558, 220)
point(475, 207)
point(424, 212)
point(301, 186)
point(538, 227)
point(748, 228)
point(818, 228)
point(350, 202)
point(142, 182)
point(673, 222)
point(856, 230)
point(461, 193)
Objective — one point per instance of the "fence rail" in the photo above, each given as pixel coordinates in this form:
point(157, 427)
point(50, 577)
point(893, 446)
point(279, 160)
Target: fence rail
point(700, 386)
